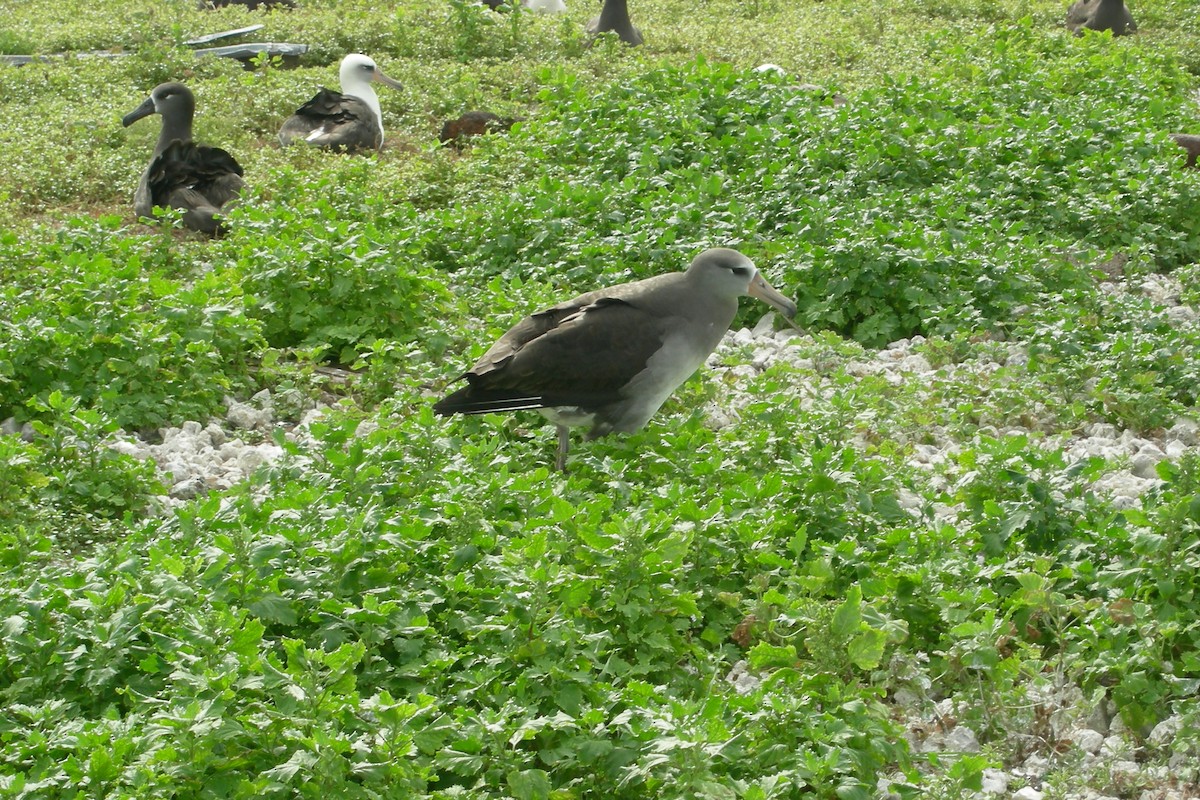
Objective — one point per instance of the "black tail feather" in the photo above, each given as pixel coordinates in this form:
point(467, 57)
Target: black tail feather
point(470, 401)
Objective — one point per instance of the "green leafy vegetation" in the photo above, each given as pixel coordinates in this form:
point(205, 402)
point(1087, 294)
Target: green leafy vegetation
point(97, 314)
point(405, 606)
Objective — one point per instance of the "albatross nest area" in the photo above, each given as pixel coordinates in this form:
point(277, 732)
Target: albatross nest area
point(942, 539)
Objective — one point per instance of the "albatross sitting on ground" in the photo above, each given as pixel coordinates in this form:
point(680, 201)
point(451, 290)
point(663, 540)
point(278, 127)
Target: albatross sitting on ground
point(608, 359)
point(350, 120)
point(1100, 15)
point(201, 181)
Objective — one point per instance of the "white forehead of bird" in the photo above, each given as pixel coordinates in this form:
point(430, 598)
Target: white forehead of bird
point(356, 73)
point(356, 69)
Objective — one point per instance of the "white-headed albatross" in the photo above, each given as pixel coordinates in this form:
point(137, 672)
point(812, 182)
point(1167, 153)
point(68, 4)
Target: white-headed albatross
point(350, 120)
point(201, 181)
point(1100, 15)
point(608, 359)
point(614, 16)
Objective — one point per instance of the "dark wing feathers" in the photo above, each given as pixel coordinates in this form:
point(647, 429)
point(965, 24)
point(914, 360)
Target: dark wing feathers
point(570, 355)
point(348, 123)
point(187, 165)
point(464, 401)
point(199, 180)
point(330, 105)
point(205, 211)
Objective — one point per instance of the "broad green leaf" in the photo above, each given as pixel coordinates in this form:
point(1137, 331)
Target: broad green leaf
point(848, 616)
point(866, 649)
point(529, 784)
point(764, 656)
point(274, 608)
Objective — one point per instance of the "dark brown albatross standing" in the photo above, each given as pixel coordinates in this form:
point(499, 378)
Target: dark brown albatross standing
point(200, 181)
point(1100, 15)
point(610, 358)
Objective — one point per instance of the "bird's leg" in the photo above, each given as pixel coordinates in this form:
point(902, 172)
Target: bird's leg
point(564, 440)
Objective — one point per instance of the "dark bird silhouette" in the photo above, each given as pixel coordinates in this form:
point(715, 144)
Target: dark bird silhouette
point(1100, 15)
point(251, 4)
point(609, 359)
point(350, 120)
point(201, 181)
point(614, 16)
point(1191, 143)
point(455, 132)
